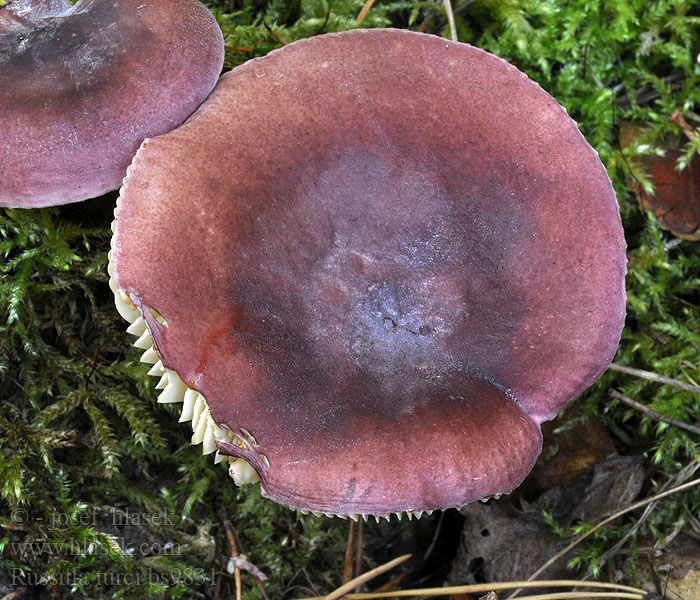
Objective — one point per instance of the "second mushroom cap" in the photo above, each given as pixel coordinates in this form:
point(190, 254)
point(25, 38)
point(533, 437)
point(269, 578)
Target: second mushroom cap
point(82, 86)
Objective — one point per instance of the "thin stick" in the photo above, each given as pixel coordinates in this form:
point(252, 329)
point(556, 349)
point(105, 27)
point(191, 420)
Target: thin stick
point(364, 11)
point(677, 118)
point(495, 587)
point(446, 591)
point(231, 536)
point(389, 584)
point(653, 414)
point(349, 553)
point(656, 378)
point(450, 19)
point(562, 595)
point(325, 21)
point(680, 364)
point(604, 522)
point(344, 589)
point(274, 34)
point(424, 25)
point(359, 547)
point(261, 587)
point(239, 48)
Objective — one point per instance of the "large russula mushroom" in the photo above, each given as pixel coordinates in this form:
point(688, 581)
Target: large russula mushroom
point(82, 86)
point(371, 265)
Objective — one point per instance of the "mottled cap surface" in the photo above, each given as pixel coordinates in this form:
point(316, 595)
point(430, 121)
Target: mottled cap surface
point(82, 86)
point(385, 255)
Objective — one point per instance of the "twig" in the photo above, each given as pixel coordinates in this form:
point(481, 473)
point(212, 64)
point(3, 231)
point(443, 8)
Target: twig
point(274, 34)
point(364, 11)
point(607, 520)
point(261, 587)
point(344, 589)
point(653, 414)
point(489, 587)
point(239, 48)
point(656, 378)
point(359, 546)
point(239, 561)
point(680, 365)
point(424, 25)
point(677, 118)
point(655, 577)
point(389, 584)
point(564, 595)
point(450, 19)
point(668, 576)
point(325, 22)
point(231, 536)
point(245, 563)
point(694, 524)
point(349, 553)
point(661, 544)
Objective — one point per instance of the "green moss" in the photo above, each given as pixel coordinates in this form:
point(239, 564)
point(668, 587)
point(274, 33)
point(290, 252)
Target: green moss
point(99, 485)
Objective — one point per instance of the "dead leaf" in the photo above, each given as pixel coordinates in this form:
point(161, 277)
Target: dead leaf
point(674, 573)
point(567, 453)
point(501, 542)
point(676, 199)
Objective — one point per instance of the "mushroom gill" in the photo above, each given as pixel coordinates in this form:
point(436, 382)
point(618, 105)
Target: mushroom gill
point(384, 259)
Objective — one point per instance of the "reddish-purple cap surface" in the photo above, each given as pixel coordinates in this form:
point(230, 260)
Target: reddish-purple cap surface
point(384, 257)
point(82, 86)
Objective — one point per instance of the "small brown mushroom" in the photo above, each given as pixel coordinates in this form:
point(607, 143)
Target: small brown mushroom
point(82, 86)
point(384, 259)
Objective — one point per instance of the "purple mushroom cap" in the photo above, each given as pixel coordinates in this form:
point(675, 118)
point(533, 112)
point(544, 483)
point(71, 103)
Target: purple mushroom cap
point(383, 259)
point(82, 86)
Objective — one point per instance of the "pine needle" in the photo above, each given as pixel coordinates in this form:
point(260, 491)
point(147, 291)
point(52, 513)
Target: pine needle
point(363, 13)
point(344, 589)
point(450, 19)
point(614, 590)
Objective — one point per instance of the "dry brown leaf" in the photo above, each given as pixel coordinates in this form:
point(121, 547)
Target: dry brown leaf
point(501, 542)
point(676, 199)
point(567, 453)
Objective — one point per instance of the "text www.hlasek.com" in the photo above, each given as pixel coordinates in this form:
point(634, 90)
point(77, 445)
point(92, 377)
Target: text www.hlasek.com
point(86, 548)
